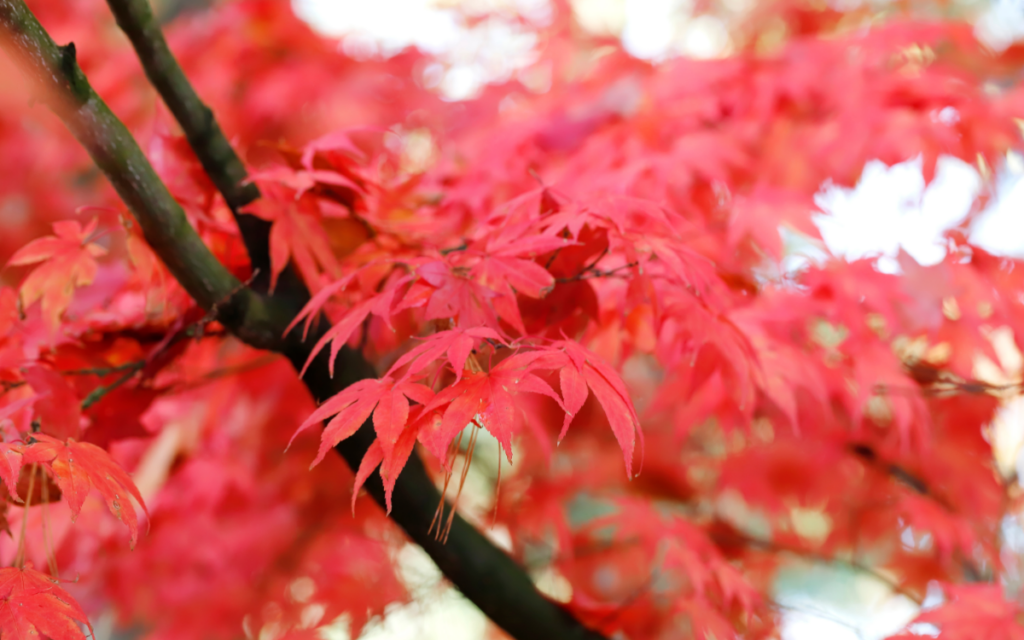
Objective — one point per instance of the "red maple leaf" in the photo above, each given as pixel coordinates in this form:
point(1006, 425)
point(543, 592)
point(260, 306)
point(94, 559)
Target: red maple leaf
point(32, 605)
point(79, 466)
point(11, 452)
point(457, 344)
point(584, 370)
point(69, 261)
point(296, 235)
point(353, 406)
point(391, 464)
point(487, 399)
point(60, 415)
point(451, 293)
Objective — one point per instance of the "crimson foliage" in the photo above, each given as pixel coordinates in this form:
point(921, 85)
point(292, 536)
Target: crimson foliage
point(596, 266)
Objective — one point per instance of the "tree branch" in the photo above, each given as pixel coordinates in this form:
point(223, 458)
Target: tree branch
point(61, 84)
point(918, 485)
point(219, 160)
point(485, 574)
point(170, 10)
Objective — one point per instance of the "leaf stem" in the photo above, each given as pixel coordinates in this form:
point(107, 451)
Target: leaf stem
point(19, 558)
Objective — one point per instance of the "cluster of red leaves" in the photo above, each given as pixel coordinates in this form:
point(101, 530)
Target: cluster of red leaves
point(34, 606)
point(603, 255)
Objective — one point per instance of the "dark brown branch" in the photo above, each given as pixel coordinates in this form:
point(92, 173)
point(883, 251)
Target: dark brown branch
point(918, 485)
point(898, 473)
point(60, 83)
point(485, 574)
point(219, 160)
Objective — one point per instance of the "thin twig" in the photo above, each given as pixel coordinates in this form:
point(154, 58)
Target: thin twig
point(609, 272)
point(589, 271)
point(51, 554)
point(194, 330)
point(98, 393)
point(19, 558)
point(99, 371)
point(461, 247)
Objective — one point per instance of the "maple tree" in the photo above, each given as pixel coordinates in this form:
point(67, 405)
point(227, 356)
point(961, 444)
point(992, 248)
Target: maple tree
point(584, 282)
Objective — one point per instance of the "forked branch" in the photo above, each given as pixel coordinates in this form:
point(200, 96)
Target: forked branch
point(60, 83)
point(485, 574)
